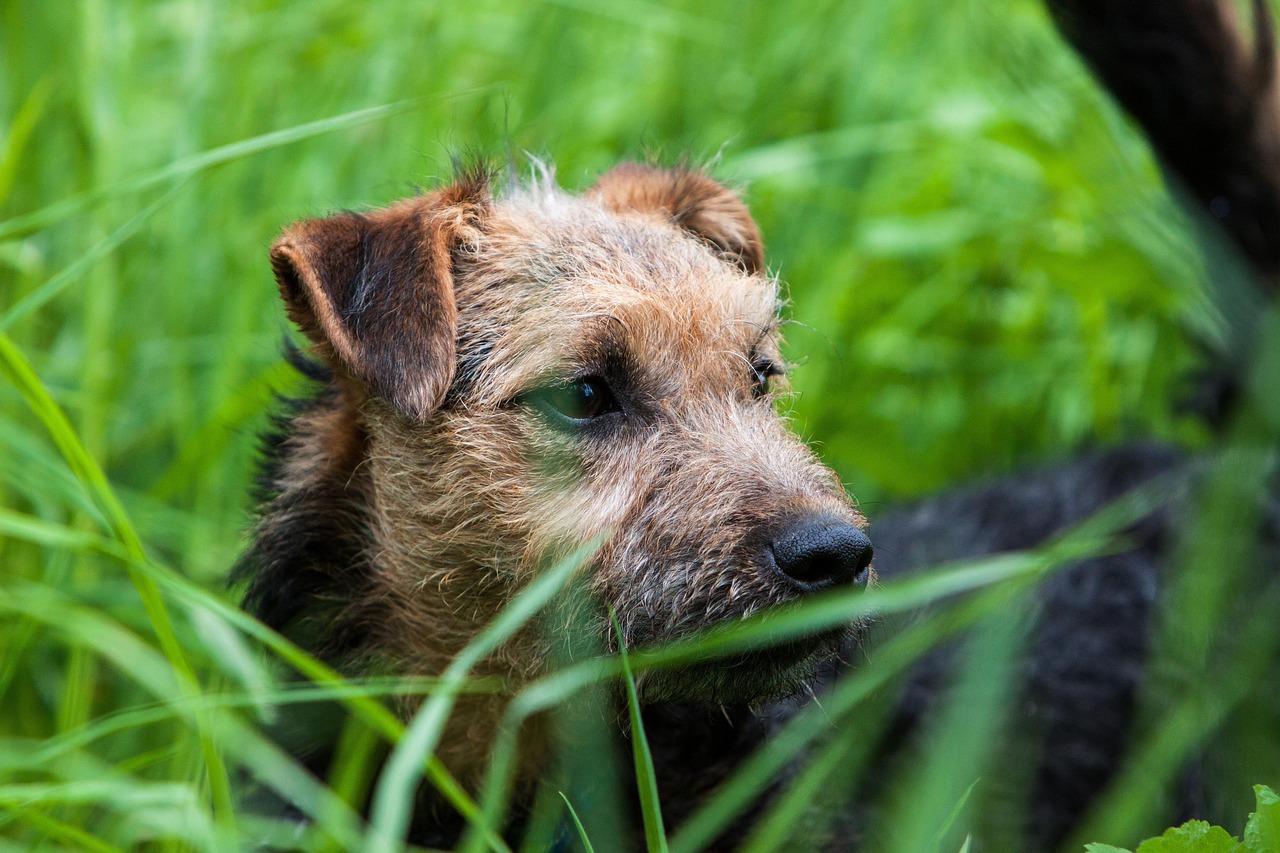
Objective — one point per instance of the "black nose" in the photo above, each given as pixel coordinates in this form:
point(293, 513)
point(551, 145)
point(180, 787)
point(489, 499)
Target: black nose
point(821, 552)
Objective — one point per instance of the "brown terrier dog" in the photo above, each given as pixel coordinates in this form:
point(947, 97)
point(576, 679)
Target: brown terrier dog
point(512, 376)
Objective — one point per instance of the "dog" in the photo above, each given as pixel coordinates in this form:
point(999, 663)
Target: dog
point(510, 375)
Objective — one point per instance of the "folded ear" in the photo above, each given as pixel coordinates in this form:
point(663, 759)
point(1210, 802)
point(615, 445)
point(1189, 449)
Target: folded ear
point(689, 199)
point(375, 290)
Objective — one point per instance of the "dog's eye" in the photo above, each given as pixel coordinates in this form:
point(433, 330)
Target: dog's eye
point(577, 401)
point(761, 373)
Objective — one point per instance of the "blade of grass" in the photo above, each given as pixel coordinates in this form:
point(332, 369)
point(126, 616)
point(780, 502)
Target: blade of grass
point(17, 525)
point(353, 770)
point(646, 781)
point(129, 797)
point(778, 826)
point(51, 288)
point(538, 697)
point(956, 811)
point(577, 822)
point(20, 131)
point(145, 804)
point(75, 836)
point(47, 750)
point(204, 160)
point(967, 729)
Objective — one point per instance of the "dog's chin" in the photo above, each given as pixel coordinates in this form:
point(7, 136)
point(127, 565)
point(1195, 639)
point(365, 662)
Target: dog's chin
point(760, 675)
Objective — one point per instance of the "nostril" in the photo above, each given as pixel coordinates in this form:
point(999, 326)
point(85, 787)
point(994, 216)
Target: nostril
point(821, 552)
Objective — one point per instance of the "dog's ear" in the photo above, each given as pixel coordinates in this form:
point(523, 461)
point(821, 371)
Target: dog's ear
point(691, 200)
point(375, 290)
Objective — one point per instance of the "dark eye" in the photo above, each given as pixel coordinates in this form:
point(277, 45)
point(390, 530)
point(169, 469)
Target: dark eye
point(762, 372)
point(576, 402)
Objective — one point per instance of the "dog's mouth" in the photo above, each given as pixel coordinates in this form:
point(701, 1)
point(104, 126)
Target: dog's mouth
point(687, 602)
point(759, 674)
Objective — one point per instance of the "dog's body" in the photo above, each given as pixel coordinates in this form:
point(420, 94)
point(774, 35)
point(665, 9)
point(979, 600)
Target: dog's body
point(1082, 677)
point(505, 378)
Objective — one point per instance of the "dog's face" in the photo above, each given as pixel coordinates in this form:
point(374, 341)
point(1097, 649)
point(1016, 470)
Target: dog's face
point(539, 371)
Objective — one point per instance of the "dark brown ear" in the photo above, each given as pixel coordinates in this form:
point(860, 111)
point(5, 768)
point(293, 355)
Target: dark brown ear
point(691, 200)
point(375, 290)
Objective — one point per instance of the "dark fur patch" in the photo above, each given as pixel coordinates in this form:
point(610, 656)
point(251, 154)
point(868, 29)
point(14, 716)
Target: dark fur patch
point(308, 563)
point(271, 444)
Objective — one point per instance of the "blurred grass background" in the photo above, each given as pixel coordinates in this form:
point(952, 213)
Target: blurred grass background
point(983, 265)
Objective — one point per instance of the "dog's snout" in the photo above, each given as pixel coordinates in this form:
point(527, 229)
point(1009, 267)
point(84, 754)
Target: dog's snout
point(817, 553)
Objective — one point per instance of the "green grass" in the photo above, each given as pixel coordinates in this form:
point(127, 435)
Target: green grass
point(983, 266)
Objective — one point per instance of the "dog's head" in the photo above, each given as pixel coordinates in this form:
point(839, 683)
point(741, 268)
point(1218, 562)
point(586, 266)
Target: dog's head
point(533, 371)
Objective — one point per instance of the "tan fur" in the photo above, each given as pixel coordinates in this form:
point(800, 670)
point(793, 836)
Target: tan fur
point(689, 199)
point(653, 279)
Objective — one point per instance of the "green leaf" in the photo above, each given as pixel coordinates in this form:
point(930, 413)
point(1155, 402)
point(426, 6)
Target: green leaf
point(1194, 836)
point(1104, 848)
point(1262, 833)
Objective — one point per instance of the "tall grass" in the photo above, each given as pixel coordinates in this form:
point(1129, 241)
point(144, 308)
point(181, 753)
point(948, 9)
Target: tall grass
point(983, 267)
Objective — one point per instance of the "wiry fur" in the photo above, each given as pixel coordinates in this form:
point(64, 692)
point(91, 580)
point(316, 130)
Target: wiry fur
point(427, 484)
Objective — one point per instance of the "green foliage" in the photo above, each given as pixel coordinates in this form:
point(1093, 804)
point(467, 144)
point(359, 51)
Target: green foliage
point(983, 268)
point(1261, 834)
